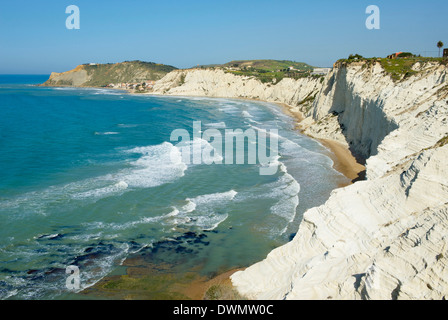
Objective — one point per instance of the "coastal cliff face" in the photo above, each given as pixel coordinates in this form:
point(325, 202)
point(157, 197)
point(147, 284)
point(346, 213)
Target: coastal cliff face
point(100, 75)
point(298, 94)
point(382, 238)
point(386, 237)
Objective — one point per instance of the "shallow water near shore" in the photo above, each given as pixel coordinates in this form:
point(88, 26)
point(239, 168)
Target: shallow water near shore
point(88, 179)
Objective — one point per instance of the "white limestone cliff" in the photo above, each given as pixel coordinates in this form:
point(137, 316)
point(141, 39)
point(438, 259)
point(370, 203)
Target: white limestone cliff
point(218, 83)
point(382, 238)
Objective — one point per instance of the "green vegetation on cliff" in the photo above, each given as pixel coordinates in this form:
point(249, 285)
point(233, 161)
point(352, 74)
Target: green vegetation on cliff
point(269, 65)
point(266, 70)
point(399, 68)
point(100, 75)
point(129, 71)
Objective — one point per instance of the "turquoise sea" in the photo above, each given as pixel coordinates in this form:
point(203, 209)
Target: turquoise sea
point(87, 178)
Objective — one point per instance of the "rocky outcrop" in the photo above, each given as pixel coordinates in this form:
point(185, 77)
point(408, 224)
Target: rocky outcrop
point(100, 75)
point(386, 237)
point(76, 77)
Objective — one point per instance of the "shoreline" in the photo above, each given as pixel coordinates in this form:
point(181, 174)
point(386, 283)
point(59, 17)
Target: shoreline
point(343, 161)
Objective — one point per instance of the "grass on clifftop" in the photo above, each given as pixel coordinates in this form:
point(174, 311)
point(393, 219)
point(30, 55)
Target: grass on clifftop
point(128, 71)
point(269, 65)
point(267, 71)
point(398, 69)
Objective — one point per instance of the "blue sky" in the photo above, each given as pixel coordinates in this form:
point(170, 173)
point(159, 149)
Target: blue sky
point(184, 33)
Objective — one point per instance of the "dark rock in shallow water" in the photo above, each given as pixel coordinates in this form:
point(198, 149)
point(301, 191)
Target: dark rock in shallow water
point(32, 271)
point(181, 249)
point(55, 271)
point(177, 250)
point(93, 252)
point(189, 235)
point(6, 270)
point(291, 236)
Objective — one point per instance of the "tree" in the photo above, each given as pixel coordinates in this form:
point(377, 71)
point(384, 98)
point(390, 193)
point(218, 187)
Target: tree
point(440, 46)
point(356, 56)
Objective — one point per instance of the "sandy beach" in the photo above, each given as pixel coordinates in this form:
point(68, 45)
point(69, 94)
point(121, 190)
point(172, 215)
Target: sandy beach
point(344, 161)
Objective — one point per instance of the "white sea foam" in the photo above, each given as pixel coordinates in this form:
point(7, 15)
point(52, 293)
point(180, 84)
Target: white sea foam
point(295, 150)
point(211, 221)
point(197, 151)
point(217, 125)
point(159, 164)
point(100, 192)
point(229, 109)
point(106, 133)
point(284, 191)
point(108, 92)
point(123, 125)
point(287, 191)
point(203, 211)
point(189, 207)
point(154, 168)
point(246, 114)
point(65, 88)
point(269, 133)
point(214, 198)
point(99, 225)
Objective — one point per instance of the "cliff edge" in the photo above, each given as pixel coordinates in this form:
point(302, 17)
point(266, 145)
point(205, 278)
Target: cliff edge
point(386, 237)
point(381, 238)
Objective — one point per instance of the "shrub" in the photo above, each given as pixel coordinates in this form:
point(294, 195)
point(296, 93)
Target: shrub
point(406, 55)
point(356, 56)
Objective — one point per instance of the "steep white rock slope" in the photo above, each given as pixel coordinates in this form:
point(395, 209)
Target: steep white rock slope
point(383, 238)
point(218, 83)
